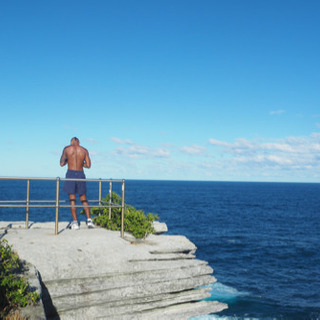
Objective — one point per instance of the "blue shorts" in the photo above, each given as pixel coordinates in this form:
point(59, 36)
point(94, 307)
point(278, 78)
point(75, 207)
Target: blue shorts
point(73, 187)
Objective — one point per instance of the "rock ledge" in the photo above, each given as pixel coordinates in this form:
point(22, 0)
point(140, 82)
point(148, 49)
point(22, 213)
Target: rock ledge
point(95, 274)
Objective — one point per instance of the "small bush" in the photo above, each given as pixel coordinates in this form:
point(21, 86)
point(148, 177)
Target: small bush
point(135, 221)
point(14, 290)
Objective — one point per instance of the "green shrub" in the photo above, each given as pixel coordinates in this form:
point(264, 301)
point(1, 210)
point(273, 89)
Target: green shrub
point(14, 290)
point(135, 221)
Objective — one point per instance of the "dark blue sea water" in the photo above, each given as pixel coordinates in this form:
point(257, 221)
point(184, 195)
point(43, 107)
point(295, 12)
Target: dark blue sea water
point(262, 239)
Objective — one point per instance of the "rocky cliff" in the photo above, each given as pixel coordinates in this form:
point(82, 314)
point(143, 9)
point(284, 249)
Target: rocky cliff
point(95, 274)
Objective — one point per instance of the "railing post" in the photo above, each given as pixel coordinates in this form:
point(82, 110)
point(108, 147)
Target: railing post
point(100, 192)
point(28, 201)
point(57, 205)
point(122, 210)
point(110, 198)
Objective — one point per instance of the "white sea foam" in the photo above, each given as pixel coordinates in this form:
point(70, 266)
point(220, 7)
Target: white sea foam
point(224, 293)
point(228, 295)
point(216, 317)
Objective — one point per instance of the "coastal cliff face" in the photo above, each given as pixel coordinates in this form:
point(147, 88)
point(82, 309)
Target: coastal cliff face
point(94, 274)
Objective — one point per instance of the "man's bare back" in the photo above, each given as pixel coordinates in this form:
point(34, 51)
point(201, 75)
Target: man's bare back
point(76, 156)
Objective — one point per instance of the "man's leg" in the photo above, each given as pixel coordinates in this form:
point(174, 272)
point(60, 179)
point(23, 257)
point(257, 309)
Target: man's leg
point(85, 204)
point(73, 208)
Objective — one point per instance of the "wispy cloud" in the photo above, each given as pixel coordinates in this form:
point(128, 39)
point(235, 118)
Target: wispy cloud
point(161, 153)
point(291, 152)
point(287, 159)
point(93, 141)
point(277, 112)
point(134, 150)
point(218, 142)
point(239, 146)
point(121, 141)
point(193, 150)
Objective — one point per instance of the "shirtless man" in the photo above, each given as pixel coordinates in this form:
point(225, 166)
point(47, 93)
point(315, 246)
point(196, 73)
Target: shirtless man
point(76, 157)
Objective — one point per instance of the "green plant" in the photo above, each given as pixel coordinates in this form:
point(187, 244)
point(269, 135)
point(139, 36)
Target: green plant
point(135, 221)
point(14, 290)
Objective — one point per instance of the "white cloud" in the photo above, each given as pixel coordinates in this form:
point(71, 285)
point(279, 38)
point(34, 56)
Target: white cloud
point(134, 150)
point(161, 153)
point(275, 112)
point(285, 147)
point(288, 153)
point(121, 141)
point(266, 159)
point(138, 150)
point(288, 159)
point(91, 140)
point(193, 150)
point(316, 135)
point(218, 142)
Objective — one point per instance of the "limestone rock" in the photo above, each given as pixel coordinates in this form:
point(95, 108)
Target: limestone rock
point(95, 274)
point(160, 227)
point(31, 274)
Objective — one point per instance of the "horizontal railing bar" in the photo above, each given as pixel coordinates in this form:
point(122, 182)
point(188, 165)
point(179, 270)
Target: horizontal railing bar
point(24, 206)
point(44, 201)
point(27, 178)
point(90, 180)
point(61, 179)
point(18, 201)
point(12, 201)
point(52, 206)
point(81, 206)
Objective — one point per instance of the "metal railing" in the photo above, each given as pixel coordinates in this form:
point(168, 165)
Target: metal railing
point(57, 203)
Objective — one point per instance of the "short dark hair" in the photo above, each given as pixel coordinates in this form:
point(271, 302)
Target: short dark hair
point(75, 139)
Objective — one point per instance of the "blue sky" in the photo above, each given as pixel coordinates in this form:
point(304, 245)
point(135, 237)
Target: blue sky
point(179, 89)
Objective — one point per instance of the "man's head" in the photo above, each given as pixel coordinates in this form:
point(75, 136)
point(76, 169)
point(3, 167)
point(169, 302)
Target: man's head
point(75, 141)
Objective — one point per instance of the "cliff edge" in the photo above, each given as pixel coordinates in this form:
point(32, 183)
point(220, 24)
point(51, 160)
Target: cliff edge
point(95, 274)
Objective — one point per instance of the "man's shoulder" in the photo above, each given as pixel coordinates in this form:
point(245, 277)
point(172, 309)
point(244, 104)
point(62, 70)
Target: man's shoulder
point(82, 148)
point(69, 149)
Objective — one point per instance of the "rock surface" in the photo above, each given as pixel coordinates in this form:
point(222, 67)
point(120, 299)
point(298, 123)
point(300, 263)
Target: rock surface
point(95, 274)
point(160, 227)
point(31, 274)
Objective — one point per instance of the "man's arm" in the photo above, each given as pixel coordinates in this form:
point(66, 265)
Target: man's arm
point(87, 160)
point(64, 158)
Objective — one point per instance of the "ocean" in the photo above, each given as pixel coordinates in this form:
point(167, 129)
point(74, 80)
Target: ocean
point(261, 239)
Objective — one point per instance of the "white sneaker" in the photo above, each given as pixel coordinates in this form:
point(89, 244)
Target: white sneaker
point(74, 225)
point(90, 224)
